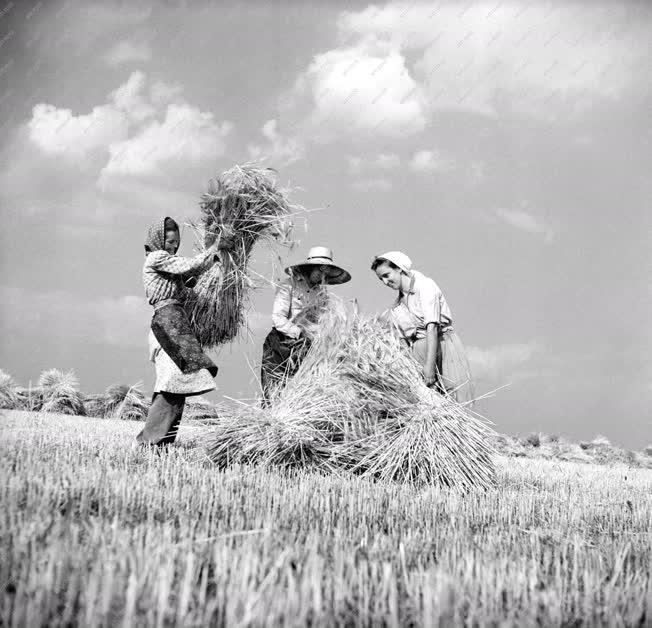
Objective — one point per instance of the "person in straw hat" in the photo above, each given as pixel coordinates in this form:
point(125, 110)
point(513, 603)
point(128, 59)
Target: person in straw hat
point(299, 301)
point(182, 367)
point(422, 316)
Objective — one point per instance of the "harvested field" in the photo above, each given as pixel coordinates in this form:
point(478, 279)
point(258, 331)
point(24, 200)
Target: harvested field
point(94, 533)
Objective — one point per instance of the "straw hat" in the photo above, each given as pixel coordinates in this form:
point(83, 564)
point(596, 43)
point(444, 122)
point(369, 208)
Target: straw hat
point(322, 257)
point(400, 260)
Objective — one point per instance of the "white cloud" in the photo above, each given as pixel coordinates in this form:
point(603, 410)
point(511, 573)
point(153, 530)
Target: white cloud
point(59, 132)
point(136, 152)
point(186, 135)
point(128, 51)
point(500, 361)
point(363, 89)
point(525, 221)
point(129, 98)
point(429, 161)
point(482, 57)
point(278, 148)
point(399, 64)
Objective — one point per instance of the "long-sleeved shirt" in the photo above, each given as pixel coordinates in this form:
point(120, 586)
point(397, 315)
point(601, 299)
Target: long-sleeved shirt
point(296, 305)
point(164, 274)
point(423, 303)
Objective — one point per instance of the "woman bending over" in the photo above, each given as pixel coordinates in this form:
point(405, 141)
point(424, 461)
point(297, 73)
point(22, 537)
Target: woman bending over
point(424, 319)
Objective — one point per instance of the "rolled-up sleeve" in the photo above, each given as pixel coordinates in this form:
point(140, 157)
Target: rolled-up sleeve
point(163, 262)
point(430, 299)
point(281, 312)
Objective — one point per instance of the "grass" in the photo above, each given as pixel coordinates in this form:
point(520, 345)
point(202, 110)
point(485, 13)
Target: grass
point(94, 533)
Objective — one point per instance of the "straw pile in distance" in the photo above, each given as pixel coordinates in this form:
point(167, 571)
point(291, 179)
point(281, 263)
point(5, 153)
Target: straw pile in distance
point(244, 201)
point(60, 391)
point(358, 404)
point(126, 402)
point(8, 391)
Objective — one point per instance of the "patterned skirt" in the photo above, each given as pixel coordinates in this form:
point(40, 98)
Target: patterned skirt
point(172, 329)
point(452, 364)
point(182, 367)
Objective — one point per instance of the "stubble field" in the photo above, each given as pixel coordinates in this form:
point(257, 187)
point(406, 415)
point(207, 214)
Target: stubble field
point(94, 533)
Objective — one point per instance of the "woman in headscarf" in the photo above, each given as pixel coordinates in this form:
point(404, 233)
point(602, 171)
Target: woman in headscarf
point(182, 367)
point(298, 303)
point(424, 320)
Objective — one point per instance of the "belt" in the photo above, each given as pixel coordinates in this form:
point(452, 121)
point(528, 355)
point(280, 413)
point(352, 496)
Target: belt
point(412, 339)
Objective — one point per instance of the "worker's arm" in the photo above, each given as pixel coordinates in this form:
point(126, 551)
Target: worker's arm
point(432, 346)
point(281, 312)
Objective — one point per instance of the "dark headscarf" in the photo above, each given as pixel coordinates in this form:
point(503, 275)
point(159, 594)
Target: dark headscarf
point(155, 240)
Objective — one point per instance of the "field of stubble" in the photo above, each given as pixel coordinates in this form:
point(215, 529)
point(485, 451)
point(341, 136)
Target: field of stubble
point(93, 533)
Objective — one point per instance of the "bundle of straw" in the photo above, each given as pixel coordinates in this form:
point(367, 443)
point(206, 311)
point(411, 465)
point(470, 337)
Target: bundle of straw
point(60, 392)
point(113, 398)
point(243, 201)
point(288, 434)
point(30, 398)
point(8, 391)
point(134, 406)
point(125, 402)
point(95, 405)
point(200, 410)
point(359, 404)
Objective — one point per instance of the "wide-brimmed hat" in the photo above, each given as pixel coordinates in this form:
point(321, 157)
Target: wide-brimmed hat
point(399, 259)
point(323, 257)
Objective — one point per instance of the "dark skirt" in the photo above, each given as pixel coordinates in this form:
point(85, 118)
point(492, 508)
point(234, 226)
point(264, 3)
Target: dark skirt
point(282, 357)
point(171, 327)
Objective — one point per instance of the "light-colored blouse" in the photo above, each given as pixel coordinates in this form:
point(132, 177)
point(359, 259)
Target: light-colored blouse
point(296, 305)
point(422, 304)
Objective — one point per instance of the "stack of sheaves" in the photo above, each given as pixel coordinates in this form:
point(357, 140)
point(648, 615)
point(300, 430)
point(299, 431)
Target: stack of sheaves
point(245, 202)
point(358, 404)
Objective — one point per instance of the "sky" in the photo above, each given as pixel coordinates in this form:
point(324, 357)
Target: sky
point(504, 146)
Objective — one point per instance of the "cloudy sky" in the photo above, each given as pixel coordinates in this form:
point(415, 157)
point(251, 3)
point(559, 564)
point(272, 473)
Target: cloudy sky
point(505, 146)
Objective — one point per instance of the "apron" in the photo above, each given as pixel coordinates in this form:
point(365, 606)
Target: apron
point(172, 330)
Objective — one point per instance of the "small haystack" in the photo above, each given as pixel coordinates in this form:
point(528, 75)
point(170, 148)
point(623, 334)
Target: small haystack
point(125, 402)
point(95, 405)
point(8, 391)
point(358, 404)
point(60, 391)
point(200, 410)
point(244, 201)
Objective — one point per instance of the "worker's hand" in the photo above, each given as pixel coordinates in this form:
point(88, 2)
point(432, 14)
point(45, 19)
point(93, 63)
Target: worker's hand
point(226, 240)
point(430, 375)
